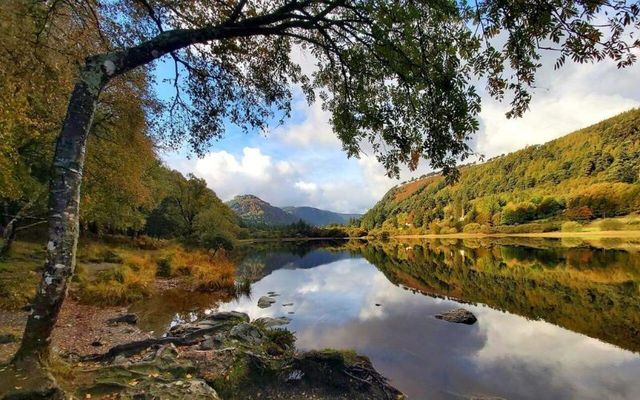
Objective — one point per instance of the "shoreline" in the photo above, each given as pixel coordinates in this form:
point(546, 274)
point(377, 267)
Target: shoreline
point(550, 235)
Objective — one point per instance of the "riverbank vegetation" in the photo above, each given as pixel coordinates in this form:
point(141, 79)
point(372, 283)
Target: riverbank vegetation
point(118, 270)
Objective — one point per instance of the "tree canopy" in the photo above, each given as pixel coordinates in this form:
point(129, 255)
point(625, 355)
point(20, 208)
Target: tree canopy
point(397, 77)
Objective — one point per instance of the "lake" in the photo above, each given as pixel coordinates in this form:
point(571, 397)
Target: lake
point(557, 319)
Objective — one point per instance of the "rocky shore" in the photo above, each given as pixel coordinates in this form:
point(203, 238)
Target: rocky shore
point(222, 356)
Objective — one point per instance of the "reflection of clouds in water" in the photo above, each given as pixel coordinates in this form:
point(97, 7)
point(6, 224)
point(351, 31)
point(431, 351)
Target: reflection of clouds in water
point(521, 348)
point(503, 355)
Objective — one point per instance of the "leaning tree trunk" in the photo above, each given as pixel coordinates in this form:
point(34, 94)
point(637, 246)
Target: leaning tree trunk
point(68, 161)
point(63, 210)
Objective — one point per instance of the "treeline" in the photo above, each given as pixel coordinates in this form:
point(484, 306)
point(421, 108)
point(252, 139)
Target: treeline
point(299, 229)
point(126, 189)
point(591, 173)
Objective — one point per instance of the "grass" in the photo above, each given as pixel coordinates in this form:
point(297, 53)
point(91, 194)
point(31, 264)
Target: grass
point(20, 274)
point(116, 272)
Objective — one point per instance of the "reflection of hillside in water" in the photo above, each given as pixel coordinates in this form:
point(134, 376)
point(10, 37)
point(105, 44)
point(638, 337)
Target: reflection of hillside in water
point(297, 255)
point(590, 290)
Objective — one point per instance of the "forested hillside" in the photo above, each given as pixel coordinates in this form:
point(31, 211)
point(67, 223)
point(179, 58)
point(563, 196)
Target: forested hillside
point(590, 173)
point(255, 211)
point(126, 189)
point(317, 217)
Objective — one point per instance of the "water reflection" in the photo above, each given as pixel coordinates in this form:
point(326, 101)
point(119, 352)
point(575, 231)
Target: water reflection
point(553, 321)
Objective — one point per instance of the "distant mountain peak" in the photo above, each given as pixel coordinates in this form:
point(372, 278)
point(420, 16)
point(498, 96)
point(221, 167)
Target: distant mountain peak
point(253, 210)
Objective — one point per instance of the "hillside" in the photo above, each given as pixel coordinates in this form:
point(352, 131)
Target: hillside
point(253, 210)
point(590, 173)
point(317, 217)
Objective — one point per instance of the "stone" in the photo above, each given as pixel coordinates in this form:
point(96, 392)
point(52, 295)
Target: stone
point(209, 344)
point(248, 333)
point(270, 322)
point(227, 315)
point(8, 338)
point(130, 319)
point(264, 302)
point(458, 316)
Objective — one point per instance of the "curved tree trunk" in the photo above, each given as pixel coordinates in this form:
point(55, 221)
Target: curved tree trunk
point(63, 208)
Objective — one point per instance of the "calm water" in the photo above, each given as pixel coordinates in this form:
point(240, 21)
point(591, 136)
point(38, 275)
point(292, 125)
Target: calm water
point(555, 320)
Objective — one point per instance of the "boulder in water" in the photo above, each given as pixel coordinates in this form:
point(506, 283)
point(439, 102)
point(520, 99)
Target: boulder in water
point(458, 316)
point(264, 302)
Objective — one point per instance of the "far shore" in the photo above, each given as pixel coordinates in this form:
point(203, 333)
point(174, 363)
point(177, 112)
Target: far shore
point(556, 234)
point(551, 235)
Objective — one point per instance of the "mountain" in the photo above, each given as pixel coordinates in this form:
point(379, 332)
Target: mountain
point(253, 210)
point(590, 173)
point(317, 217)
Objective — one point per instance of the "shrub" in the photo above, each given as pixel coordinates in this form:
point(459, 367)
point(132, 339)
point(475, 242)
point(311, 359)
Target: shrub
point(473, 227)
point(210, 271)
point(164, 267)
point(611, 225)
point(571, 226)
point(580, 213)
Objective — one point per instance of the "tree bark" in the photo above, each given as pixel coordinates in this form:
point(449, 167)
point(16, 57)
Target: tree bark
point(63, 210)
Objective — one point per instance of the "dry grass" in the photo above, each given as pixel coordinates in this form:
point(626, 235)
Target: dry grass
point(134, 278)
point(208, 271)
point(124, 284)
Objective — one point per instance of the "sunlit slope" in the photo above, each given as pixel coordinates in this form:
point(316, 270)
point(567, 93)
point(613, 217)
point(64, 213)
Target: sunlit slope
point(590, 173)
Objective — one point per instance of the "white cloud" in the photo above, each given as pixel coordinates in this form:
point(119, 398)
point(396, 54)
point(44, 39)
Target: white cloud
point(314, 130)
point(308, 187)
point(571, 98)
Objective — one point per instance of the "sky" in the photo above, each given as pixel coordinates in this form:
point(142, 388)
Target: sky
point(301, 163)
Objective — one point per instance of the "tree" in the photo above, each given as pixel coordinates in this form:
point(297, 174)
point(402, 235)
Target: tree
point(394, 74)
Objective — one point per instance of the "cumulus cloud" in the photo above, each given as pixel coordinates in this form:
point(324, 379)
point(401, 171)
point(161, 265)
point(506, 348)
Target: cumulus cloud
point(313, 130)
point(571, 98)
point(298, 180)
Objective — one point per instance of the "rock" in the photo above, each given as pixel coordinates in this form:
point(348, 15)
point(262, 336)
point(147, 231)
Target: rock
point(8, 338)
point(210, 343)
point(271, 322)
point(130, 319)
point(287, 304)
point(458, 316)
point(247, 333)
point(227, 315)
point(264, 302)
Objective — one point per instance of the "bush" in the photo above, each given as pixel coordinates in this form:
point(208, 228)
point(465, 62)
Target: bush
point(164, 267)
point(571, 226)
point(580, 213)
point(611, 225)
point(473, 227)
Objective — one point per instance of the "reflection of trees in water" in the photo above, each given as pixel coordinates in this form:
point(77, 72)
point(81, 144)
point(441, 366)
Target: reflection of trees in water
point(167, 307)
point(593, 291)
point(264, 258)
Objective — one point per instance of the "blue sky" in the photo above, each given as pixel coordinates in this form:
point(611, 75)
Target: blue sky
point(302, 162)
